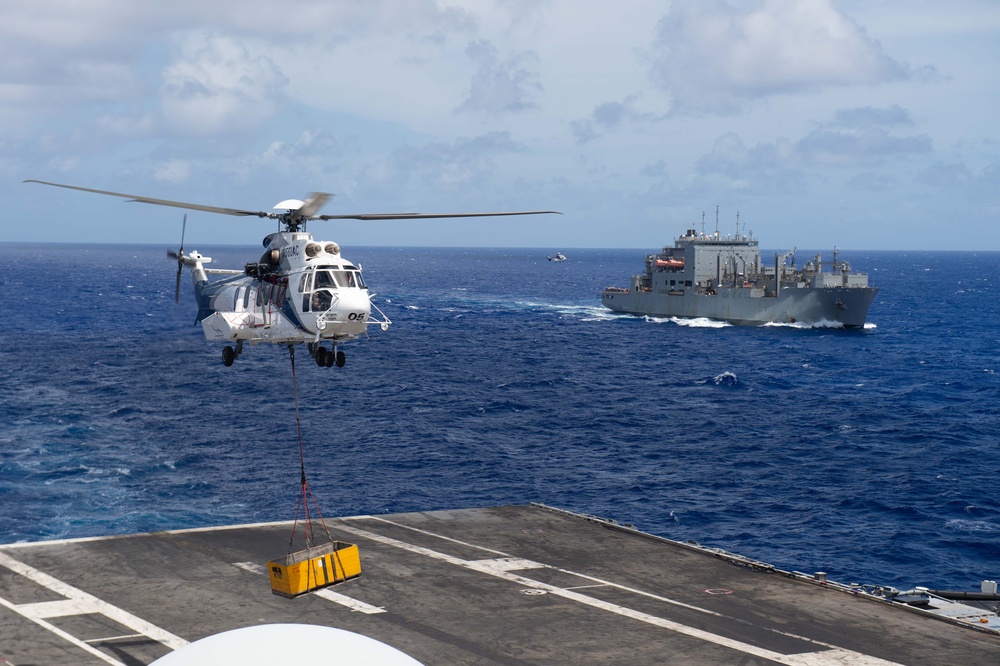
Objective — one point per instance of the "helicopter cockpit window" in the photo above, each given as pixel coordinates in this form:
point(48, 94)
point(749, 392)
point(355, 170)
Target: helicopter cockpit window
point(334, 277)
point(321, 301)
point(346, 278)
point(324, 278)
point(305, 284)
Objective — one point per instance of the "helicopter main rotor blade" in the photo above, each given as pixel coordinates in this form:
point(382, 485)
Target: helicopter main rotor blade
point(427, 216)
point(315, 201)
point(312, 205)
point(162, 202)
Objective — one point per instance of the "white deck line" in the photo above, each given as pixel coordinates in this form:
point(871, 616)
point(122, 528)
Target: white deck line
point(62, 634)
point(535, 565)
point(187, 530)
point(326, 593)
point(499, 569)
point(353, 604)
point(83, 603)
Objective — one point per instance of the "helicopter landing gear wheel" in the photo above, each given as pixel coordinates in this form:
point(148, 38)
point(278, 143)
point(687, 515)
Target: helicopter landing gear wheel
point(228, 356)
point(320, 356)
point(329, 359)
point(341, 359)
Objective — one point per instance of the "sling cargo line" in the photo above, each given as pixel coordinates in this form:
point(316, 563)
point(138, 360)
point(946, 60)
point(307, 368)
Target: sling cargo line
point(317, 566)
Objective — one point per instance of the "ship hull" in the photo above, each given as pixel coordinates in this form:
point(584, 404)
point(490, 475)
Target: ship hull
point(845, 306)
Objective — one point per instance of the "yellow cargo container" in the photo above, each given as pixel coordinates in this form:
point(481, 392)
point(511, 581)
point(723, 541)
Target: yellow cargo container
point(314, 568)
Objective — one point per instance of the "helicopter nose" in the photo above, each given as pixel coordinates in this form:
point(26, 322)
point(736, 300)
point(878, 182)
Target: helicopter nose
point(356, 301)
point(354, 309)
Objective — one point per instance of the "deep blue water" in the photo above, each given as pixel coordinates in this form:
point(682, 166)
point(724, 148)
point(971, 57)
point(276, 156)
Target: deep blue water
point(872, 455)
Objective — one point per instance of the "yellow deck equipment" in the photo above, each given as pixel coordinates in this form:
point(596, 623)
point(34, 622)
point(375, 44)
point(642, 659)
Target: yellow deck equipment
point(314, 568)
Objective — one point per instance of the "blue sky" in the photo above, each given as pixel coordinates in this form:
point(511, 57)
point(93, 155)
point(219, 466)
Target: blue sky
point(867, 124)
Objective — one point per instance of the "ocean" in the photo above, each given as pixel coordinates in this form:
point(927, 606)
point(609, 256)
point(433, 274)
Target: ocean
point(872, 455)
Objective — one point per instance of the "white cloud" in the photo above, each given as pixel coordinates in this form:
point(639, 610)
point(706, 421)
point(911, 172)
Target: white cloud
point(872, 117)
point(447, 165)
point(767, 168)
point(173, 171)
point(220, 88)
point(715, 59)
point(609, 112)
point(958, 179)
point(311, 157)
point(855, 147)
point(946, 176)
point(854, 139)
point(500, 86)
point(859, 137)
point(873, 182)
point(68, 53)
point(608, 117)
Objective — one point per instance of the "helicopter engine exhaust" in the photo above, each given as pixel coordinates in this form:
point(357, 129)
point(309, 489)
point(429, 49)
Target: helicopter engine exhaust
point(267, 265)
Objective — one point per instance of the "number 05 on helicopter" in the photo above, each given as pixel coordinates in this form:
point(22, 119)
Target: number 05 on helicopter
point(300, 290)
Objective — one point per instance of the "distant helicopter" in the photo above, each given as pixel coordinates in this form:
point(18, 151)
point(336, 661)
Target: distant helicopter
point(299, 291)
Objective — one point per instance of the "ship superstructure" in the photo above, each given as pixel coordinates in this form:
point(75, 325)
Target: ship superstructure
point(723, 278)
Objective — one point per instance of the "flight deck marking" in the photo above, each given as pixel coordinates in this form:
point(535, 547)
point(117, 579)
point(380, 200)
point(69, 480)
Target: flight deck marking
point(109, 639)
point(78, 602)
point(353, 604)
point(329, 594)
point(437, 536)
point(46, 609)
point(62, 634)
point(833, 656)
point(565, 571)
point(508, 564)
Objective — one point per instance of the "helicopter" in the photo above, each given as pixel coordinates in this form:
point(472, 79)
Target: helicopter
point(300, 290)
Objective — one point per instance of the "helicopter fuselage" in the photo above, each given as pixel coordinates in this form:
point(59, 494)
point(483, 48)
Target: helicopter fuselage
point(301, 290)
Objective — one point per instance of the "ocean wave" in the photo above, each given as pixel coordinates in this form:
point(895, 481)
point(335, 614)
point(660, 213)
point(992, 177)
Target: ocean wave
point(965, 525)
point(726, 378)
point(693, 322)
point(821, 324)
point(795, 447)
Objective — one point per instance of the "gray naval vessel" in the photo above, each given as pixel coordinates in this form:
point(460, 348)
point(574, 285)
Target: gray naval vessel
point(723, 278)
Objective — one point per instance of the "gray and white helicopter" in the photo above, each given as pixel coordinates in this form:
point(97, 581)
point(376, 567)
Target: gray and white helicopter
point(299, 291)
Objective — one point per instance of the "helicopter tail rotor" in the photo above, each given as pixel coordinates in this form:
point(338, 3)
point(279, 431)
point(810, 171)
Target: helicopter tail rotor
point(179, 255)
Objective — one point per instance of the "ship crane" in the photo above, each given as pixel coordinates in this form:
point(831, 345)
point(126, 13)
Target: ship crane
point(779, 264)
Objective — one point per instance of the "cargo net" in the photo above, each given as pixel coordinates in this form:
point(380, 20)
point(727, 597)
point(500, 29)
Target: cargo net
point(319, 565)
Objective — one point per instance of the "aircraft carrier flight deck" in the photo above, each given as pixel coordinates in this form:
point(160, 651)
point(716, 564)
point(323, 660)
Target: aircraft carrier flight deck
point(504, 585)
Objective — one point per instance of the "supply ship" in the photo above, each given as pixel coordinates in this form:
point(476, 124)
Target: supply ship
point(723, 278)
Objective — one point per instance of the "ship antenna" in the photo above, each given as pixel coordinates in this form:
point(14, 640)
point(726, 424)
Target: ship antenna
point(737, 225)
point(716, 220)
point(702, 223)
